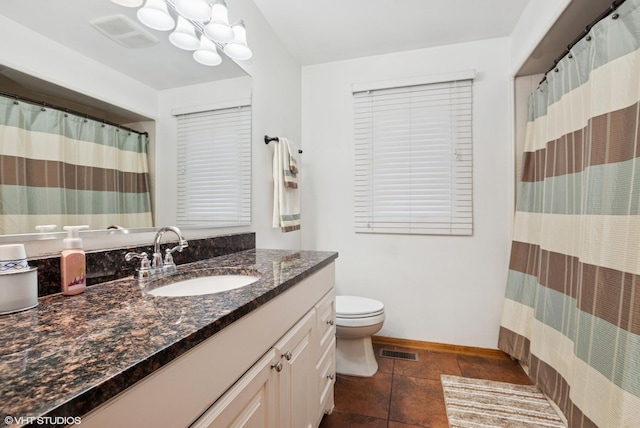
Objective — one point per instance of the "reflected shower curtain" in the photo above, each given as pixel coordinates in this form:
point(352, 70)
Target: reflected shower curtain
point(572, 306)
point(62, 169)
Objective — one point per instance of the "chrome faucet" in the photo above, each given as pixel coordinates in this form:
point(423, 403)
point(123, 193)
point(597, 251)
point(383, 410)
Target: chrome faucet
point(157, 263)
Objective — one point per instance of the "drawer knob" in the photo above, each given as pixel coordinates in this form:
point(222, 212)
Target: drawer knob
point(330, 376)
point(330, 321)
point(288, 355)
point(277, 366)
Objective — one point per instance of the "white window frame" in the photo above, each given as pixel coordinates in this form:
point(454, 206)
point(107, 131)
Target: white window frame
point(214, 165)
point(414, 156)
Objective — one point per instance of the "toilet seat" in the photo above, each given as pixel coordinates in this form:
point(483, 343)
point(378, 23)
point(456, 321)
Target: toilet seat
point(354, 311)
point(357, 307)
point(360, 322)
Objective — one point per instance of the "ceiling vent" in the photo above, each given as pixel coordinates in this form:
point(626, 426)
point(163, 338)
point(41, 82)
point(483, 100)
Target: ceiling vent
point(125, 31)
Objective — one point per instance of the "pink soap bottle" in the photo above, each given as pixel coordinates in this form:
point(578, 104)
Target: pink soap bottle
point(72, 262)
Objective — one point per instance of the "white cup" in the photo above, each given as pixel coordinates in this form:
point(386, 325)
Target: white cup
point(13, 257)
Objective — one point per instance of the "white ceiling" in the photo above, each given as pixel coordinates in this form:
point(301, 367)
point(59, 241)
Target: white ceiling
point(318, 31)
point(314, 31)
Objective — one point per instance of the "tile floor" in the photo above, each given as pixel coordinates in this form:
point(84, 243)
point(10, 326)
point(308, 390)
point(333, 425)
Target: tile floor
point(408, 394)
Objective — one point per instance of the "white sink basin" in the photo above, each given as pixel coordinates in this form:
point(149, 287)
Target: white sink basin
point(204, 285)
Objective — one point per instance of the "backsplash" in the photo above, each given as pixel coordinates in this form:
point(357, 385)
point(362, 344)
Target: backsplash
point(108, 265)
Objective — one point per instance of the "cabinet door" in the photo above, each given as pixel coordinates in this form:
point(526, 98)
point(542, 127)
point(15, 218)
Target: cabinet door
point(326, 372)
point(296, 382)
point(250, 403)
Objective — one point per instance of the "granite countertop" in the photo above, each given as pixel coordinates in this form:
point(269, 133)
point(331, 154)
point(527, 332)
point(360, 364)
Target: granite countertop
point(72, 353)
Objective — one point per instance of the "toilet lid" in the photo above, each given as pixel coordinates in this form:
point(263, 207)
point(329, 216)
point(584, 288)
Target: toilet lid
point(357, 307)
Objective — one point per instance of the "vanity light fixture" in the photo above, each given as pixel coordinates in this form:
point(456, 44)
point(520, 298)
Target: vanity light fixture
point(203, 27)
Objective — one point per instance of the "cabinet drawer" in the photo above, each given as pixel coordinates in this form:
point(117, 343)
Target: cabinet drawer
point(326, 319)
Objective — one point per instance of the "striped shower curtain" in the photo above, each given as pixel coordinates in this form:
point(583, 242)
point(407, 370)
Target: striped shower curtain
point(62, 169)
point(572, 306)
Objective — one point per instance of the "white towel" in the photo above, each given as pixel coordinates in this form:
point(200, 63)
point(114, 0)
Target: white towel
point(291, 164)
point(286, 195)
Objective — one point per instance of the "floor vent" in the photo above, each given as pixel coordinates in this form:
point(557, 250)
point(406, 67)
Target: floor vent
point(398, 355)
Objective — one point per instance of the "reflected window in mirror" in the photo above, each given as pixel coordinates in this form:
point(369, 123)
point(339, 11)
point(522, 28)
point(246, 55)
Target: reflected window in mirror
point(214, 167)
point(60, 168)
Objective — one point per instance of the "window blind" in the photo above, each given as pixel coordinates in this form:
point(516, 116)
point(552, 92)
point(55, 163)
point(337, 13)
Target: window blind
point(413, 159)
point(214, 167)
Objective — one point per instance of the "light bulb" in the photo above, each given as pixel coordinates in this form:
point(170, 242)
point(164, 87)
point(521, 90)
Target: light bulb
point(128, 3)
point(198, 10)
point(238, 48)
point(207, 54)
point(218, 28)
point(184, 36)
point(154, 14)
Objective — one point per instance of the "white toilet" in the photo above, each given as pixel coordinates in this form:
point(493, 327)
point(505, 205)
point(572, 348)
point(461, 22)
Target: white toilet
point(357, 319)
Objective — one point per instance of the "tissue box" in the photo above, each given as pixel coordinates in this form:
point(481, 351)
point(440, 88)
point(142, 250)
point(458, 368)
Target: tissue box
point(18, 290)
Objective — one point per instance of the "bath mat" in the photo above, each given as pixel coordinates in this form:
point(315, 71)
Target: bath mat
point(483, 403)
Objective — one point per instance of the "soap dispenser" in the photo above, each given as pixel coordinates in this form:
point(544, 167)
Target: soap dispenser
point(73, 262)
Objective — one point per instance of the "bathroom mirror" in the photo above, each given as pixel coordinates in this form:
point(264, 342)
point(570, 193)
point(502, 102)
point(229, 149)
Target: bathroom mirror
point(111, 35)
point(160, 67)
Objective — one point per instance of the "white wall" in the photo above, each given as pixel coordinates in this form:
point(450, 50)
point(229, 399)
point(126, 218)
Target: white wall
point(276, 93)
point(435, 288)
point(274, 88)
point(536, 20)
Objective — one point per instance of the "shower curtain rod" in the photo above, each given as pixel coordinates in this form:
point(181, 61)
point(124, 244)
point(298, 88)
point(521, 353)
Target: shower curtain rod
point(588, 28)
point(66, 110)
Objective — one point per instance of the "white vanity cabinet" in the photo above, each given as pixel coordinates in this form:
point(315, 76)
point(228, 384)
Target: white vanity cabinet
point(290, 387)
point(274, 367)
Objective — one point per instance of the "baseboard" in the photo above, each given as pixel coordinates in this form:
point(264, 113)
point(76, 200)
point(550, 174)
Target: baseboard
point(438, 347)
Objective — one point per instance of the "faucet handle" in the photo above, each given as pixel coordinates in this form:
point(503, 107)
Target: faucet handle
point(169, 265)
point(131, 255)
point(145, 265)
